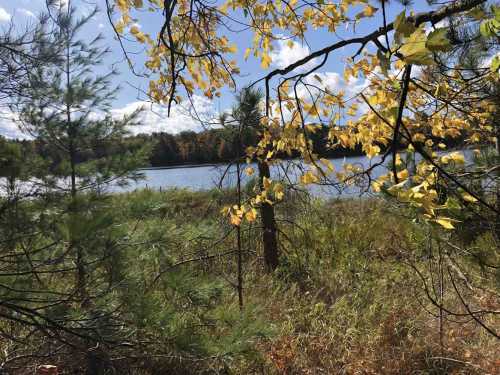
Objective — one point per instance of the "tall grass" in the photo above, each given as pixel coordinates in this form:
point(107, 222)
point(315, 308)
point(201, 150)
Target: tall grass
point(344, 300)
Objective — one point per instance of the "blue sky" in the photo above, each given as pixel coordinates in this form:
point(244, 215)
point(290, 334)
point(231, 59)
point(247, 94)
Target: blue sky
point(24, 11)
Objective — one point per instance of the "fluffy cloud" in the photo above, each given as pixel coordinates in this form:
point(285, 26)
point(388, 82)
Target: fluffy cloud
point(8, 126)
point(287, 54)
point(152, 119)
point(4, 15)
point(26, 12)
point(61, 3)
point(326, 81)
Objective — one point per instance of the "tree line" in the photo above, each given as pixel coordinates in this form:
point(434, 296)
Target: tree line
point(188, 147)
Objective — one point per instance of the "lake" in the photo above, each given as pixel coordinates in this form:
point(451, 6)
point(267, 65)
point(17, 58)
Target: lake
point(205, 177)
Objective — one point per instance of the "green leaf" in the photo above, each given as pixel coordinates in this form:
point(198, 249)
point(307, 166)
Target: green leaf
point(477, 13)
point(402, 26)
point(414, 49)
point(385, 62)
point(496, 12)
point(495, 64)
point(489, 28)
point(438, 40)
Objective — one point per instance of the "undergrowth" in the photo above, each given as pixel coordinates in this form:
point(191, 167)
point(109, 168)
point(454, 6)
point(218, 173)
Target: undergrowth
point(345, 299)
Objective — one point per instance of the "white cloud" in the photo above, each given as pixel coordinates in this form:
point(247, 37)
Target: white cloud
point(285, 55)
point(9, 127)
point(443, 23)
point(154, 118)
point(26, 12)
point(4, 15)
point(62, 4)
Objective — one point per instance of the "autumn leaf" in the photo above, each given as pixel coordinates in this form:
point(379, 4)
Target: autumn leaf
point(437, 40)
point(266, 182)
point(445, 222)
point(265, 61)
point(468, 198)
point(251, 215)
point(235, 219)
point(403, 26)
point(414, 49)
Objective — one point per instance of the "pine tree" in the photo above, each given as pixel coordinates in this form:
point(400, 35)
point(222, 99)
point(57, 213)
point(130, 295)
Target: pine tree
point(68, 112)
point(247, 113)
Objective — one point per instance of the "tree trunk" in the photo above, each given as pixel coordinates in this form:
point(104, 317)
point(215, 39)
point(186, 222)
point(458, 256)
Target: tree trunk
point(72, 150)
point(95, 363)
point(269, 238)
point(497, 202)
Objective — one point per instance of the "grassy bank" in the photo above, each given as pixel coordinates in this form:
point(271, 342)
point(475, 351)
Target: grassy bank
point(346, 299)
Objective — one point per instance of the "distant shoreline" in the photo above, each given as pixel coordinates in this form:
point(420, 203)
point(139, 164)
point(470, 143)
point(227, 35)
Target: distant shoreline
point(199, 165)
point(182, 166)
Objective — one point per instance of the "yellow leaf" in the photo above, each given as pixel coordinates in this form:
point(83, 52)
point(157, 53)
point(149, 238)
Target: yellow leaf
point(235, 220)
point(266, 61)
point(249, 171)
point(327, 163)
point(247, 53)
point(134, 30)
point(266, 182)
point(419, 137)
point(369, 11)
point(469, 198)
point(119, 27)
point(351, 111)
point(251, 215)
point(457, 157)
point(403, 175)
point(372, 150)
point(376, 186)
point(308, 178)
point(445, 222)
point(398, 161)
point(278, 191)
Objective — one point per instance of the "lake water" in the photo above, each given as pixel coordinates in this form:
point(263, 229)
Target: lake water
point(207, 177)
